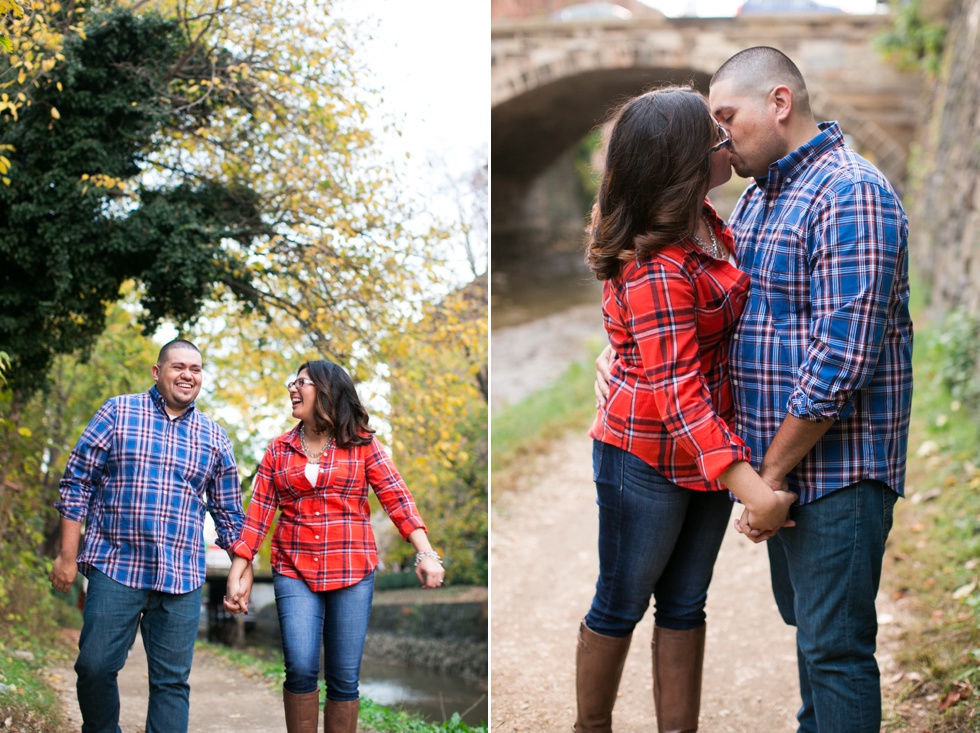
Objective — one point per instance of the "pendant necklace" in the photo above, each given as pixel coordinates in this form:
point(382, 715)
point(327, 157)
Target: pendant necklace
point(311, 456)
point(716, 249)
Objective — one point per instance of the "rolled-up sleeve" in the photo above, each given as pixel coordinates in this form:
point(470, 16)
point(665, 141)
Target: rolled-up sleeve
point(86, 464)
point(261, 509)
point(391, 490)
point(856, 249)
point(225, 495)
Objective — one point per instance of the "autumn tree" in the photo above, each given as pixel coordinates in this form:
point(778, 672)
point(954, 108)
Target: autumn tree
point(438, 378)
point(80, 219)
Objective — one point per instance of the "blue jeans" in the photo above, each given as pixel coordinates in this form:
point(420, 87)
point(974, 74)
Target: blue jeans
point(655, 539)
point(825, 575)
point(168, 623)
point(336, 618)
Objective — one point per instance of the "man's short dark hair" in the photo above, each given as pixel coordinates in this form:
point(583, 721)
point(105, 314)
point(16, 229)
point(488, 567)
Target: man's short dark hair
point(171, 345)
point(765, 67)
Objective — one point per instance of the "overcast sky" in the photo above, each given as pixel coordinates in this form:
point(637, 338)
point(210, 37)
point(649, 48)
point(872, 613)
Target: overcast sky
point(432, 60)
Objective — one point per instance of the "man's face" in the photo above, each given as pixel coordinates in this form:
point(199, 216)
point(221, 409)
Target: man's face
point(751, 123)
point(179, 380)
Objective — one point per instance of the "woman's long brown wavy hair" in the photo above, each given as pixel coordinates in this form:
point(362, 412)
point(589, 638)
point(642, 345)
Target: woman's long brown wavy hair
point(655, 179)
point(338, 409)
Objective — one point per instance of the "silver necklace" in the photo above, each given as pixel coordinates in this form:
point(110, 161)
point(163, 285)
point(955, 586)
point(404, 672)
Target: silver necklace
point(716, 249)
point(311, 456)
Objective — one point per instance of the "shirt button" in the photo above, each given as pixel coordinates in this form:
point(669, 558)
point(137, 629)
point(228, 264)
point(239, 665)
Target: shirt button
point(735, 337)
point(316, 536)
point(735, 382)
point(789, 180)
point(317, 513)
point(771, 204)
point(316, 559)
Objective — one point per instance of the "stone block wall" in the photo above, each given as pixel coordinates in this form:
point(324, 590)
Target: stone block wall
point(944, 209)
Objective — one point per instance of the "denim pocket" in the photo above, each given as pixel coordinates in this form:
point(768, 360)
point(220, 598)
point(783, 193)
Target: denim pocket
point(596, 459)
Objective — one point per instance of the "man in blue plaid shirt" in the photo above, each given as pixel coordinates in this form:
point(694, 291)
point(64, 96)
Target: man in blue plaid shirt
point(141, 476)
point(821, 366)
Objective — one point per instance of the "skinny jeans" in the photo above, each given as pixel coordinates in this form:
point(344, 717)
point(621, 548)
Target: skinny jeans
point(656, 540)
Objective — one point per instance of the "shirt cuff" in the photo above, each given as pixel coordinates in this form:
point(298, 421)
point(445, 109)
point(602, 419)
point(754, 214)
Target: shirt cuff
point(803, 407)
point(241, 549)
point(714, 462)
point(71, 512)
point(410, 525)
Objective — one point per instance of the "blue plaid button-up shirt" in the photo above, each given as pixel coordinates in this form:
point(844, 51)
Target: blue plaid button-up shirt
point(826, 332)
point(141, 482)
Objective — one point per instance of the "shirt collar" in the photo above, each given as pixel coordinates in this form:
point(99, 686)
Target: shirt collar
point(292, 439)
point(789, 166)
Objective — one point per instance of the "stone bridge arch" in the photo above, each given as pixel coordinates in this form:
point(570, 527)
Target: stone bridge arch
point(552, 82)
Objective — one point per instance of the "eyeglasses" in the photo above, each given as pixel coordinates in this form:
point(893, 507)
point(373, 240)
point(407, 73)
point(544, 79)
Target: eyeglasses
point(299, 383)
point(723, 142)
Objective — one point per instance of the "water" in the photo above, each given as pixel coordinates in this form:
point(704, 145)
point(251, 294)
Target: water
point(433, 696)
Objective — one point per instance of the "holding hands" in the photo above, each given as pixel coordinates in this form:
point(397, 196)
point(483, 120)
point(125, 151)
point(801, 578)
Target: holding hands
point(756, 526)
point(239, 587)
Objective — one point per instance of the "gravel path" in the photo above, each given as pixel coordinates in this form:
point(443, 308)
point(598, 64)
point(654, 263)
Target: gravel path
point(223, 700)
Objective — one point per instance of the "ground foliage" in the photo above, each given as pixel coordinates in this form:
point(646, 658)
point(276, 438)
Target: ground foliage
point(933, 563)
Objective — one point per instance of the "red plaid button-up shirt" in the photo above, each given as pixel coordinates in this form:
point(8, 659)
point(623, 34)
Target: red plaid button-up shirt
point(323, 535)
point(669, 320)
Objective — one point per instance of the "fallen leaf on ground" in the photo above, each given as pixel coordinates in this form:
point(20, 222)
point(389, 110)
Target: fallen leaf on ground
point(961, 691)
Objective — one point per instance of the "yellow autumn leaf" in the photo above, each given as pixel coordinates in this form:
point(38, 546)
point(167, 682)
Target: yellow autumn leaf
point(55, 113)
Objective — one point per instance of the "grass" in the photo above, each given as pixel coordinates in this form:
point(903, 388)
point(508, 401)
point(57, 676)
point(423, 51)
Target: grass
point(29, 702)
point(267, 665)
point(933, 562)
point(523, 430)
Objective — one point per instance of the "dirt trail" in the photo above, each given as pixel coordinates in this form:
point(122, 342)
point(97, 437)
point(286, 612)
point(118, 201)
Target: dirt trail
point(544, 563)
point(223, 700)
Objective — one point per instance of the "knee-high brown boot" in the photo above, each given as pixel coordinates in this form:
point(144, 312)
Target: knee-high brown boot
point(340, 716)
point(599, 662)
point(302, 711)
point(678, 658)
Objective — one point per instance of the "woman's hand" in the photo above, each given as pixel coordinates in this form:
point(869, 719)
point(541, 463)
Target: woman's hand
point(430, 572)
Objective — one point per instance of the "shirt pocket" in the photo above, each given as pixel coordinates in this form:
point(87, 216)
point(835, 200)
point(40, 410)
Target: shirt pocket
point(720, 298)
point(784, 280)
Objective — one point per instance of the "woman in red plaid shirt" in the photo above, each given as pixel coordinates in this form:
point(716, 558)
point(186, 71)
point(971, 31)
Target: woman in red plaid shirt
point(663, 449)
point(323, 549)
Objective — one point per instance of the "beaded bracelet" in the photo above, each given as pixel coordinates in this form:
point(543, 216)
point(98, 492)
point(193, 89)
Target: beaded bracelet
point(427, 553)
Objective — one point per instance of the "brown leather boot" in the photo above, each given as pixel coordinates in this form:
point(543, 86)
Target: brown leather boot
point(340, 716)
point(678, 657)
point(302, 711)
point(599, 662)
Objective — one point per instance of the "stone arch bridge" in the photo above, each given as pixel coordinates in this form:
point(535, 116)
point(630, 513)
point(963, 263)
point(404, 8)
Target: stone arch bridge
point(552, 82)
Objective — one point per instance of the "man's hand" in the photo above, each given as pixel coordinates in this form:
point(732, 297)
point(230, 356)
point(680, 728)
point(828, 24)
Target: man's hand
point(603, 373)
point(64, 573)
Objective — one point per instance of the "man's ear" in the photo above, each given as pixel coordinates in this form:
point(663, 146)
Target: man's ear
point(781, 99)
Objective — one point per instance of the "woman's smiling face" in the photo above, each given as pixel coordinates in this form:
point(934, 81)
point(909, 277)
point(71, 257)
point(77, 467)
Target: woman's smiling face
point(302, 396)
